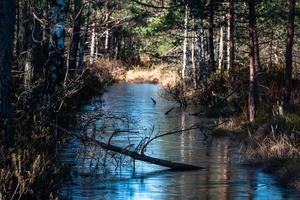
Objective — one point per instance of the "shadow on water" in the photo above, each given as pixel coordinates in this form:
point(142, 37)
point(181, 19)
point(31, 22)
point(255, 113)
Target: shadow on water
point(223, 178)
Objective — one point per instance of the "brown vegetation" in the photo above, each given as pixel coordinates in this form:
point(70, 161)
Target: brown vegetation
point(276, 143)
point(162, 73)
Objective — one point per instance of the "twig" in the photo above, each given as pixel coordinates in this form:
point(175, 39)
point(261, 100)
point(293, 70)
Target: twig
point(166, 113)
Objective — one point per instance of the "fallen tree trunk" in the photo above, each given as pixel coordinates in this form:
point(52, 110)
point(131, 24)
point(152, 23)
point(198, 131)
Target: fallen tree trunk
point(132, 154)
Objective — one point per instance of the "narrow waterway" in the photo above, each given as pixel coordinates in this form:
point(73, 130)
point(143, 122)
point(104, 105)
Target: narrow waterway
point(129, 109)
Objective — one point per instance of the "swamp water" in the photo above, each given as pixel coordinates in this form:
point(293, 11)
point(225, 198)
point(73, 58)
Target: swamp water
point(129, 107)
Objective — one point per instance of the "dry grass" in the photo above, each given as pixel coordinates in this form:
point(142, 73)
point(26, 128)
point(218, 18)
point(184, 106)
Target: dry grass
point(161, 73)
point(277, 146)
point(115, 68)
point(272, 147)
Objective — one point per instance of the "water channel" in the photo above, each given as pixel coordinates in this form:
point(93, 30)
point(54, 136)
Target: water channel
point(129, 106)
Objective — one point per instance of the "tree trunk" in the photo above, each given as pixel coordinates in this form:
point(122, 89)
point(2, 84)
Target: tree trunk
point(193, 58)
point(46, 34)
point(211, 36)
point(201, 42)
point(83, 40)
point(92, 44)
point(106, 42)
point(37, 48)
point(7, 23)
point(75, 35)
point(106, 33)
point(57, 42)
point(221, 49)
point(254, 62)
point(185, 40)
point(202, 61)
point(27, 44)
point(96, 45)
point(289, 55)
point(230, 39)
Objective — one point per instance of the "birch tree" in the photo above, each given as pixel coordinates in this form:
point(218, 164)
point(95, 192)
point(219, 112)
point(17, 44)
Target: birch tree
point(221, 49)
point(230, 38)
point(106, 33)
point(185, 42)
point(193, 56)
point(93, 39)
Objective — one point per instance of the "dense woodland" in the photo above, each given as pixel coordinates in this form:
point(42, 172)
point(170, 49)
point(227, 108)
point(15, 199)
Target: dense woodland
point(239, 54)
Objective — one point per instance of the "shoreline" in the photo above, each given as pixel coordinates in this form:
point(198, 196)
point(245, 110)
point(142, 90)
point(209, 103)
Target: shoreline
point(285, 170)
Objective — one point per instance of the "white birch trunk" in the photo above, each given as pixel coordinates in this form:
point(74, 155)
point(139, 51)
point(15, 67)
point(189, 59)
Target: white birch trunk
point(106, 33)
point(221, 50)
point(92, 45)
point(203, 56)
point(28, 71)
point(194, 62)
point(185, 61)
point(230, 42)
point(106, 40)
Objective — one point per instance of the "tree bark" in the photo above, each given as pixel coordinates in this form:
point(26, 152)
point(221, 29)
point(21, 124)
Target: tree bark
point(221, 50)
point(202, 61)
point(83, 40)
point(37, 48)
point(7, 23)
point(289, 55)
point(211, 36)
point(75, 35)
point(92, 44)
point(193, 58)
point(57, 42)
point(254, 62)
point(185, 40)
point(230, 39)
point(106, 33)
point(27, 44)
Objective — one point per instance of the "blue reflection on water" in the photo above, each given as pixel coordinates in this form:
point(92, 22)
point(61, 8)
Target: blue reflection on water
point(223, 177)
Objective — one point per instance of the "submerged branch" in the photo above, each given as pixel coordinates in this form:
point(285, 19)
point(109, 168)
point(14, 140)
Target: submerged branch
point(132, 154)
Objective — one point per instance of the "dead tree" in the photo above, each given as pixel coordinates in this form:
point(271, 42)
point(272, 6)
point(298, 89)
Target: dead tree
point(132, 154)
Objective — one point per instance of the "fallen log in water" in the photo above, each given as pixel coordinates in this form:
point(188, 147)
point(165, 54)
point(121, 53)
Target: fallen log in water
point(132, 154)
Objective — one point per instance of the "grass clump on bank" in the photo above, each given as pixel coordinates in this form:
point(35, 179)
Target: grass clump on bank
point(276, 144)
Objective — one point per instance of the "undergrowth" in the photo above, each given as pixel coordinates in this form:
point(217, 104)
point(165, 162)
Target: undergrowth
point(29, 169)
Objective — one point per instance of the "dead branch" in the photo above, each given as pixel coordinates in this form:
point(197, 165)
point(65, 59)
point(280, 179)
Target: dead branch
point(132, 154)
